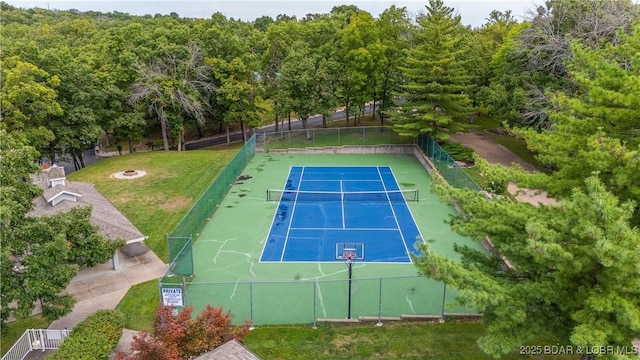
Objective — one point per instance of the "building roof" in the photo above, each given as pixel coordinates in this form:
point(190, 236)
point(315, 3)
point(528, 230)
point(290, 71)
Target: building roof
point(53, 192)
point(111, 223)
point(231, 350)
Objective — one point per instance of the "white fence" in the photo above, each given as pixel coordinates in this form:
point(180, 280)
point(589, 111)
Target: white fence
point(36, 340)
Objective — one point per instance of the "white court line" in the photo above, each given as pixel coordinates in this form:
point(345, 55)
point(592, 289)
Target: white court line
point(412, 219)
point(395, 217)
point(344, 226)
point(295, 201)
point(348, 229)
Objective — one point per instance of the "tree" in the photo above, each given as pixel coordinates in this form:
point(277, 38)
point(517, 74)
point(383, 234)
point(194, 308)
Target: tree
point(181, 337)
point(393, 28)
point(299, 82)
point(436, 92)
point(362, 60)
point(40, 256)
point(29, 99)
point(485, 43)
point(596, 129)
point(79, 94)
point(505, 94)
point(543, 48)
point(278, 37)
point(47, 253)
point(237, 93)
point(569, 271)
point(322, 34)
point(172, 88)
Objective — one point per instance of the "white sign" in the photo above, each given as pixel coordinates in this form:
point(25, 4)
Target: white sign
point(172, 296)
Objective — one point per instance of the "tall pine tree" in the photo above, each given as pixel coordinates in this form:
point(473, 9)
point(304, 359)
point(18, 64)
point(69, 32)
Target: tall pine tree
point(436, 92)
point(597, 128)
point(569, 271)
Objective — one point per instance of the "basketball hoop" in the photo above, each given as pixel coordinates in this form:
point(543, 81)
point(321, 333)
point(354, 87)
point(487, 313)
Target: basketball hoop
point(349, 255)
point(349, 252)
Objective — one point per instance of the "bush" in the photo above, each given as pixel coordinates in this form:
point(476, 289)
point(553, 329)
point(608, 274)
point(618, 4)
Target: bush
point(179, 336)
point(458, 151)
point(94, 338)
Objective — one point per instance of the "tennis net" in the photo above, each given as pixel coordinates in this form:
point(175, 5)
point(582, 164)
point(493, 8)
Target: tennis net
point(364, 196)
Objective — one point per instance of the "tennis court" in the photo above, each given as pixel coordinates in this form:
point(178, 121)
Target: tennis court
point(332, 199)
point(321, 208)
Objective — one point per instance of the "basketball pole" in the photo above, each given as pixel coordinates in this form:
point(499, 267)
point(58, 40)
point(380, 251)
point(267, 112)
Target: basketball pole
point(350, 267)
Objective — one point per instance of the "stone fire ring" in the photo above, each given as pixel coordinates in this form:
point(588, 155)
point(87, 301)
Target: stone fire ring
point(129, 174)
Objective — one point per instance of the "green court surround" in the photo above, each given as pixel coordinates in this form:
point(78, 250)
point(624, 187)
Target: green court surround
point(228, 272)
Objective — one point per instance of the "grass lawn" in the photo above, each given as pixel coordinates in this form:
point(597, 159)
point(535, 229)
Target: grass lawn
point(139, 306)
point(390, 341)
point(155, 203)
point(15, 329)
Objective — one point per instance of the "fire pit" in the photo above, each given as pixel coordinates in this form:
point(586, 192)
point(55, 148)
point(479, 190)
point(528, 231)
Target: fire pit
point(129, 174)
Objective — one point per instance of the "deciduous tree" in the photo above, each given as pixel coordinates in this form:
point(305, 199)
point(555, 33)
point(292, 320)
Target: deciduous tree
point(181, 337)
point(40, 256)
point(596, 129)
point(174, 87)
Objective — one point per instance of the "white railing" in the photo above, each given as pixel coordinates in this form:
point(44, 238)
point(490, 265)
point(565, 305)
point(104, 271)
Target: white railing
point(36, 340)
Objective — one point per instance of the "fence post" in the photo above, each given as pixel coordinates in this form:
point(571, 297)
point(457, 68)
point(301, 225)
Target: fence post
point(191, 253)
point(41, 340)
point(444, 295)
point(184, 292)
point(379, 303)
point(315, 284)
point(251, 305)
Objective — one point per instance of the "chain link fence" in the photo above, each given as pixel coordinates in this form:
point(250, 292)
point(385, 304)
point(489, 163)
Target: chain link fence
point(179, 241)
point(446, 166)
point(306, 301)
point(318, 137)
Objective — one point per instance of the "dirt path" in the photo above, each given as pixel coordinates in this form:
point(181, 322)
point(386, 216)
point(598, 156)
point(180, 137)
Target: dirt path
point(489, 149)
point(498, 154)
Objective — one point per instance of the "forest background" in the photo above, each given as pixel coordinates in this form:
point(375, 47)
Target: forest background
point(566, 80)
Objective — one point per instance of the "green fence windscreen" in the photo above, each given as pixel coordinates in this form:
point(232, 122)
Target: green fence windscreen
point(318, 137)
point(445, 164)
point(179, 241)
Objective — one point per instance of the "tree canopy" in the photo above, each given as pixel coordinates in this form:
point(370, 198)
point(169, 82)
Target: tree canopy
point(569, 270)
point(565, 80)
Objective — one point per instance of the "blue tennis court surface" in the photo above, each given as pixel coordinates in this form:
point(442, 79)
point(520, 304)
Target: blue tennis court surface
point(321, 206)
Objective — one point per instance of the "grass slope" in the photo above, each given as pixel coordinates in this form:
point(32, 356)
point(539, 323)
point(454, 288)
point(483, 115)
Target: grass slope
point(156, 202)
point(391, 341)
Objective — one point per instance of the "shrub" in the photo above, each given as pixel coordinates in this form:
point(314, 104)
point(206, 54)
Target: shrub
point(458, 151)
point(94, 338)
point(178, 336)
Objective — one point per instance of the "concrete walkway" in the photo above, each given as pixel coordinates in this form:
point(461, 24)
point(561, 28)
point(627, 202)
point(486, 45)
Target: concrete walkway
point(100, 287)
